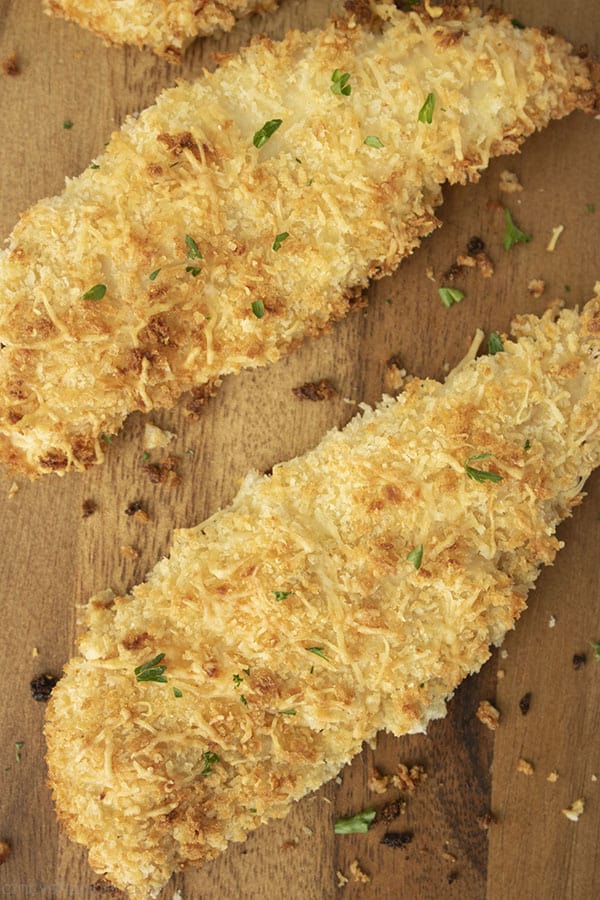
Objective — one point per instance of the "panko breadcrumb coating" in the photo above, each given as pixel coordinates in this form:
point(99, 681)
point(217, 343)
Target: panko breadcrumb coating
point(187, 252)
point(299, 621)
point(165, 26)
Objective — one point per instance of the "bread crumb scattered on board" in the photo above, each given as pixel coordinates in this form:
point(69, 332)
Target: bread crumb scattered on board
point(10, 65)
point(394, 375)
point(4, 851)
point(594, 778)
point(488, 715)
point(552, 777)
point(155, 437)
point(500, 674)
point(358, 874)
point(509, 183)
point(407, 779)
point(341, 878)
point(573, 811)
point(315, 390)
point(377, 783)
point(130, 552)
point(556, 233)
point(536, 287)
point(525, 767)
point(552, 622)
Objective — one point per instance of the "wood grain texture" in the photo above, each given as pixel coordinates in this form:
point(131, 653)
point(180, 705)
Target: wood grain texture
point(52, 559)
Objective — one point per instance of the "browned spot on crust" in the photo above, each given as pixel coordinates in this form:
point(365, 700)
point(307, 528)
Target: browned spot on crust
point(177, 143)
point(13, 416)
point(10, 66)
point(84, 451)
point(211, 667)
point(156, 331)
point(201, 395)
point(264, 683)
point(315, 390)
point(446, 39)
point(136, 641)
point(154, 170)
point(54, 459)
point(393, 493)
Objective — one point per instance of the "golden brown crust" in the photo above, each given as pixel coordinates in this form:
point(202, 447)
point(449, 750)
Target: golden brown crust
point(298, 622)
point(74, 367)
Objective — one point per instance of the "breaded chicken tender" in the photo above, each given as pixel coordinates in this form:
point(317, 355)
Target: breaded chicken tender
point(248, 210)
point(349, 592)
point(165, 26)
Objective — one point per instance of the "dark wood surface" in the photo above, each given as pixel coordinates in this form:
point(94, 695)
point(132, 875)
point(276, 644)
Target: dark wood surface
point(52, 559)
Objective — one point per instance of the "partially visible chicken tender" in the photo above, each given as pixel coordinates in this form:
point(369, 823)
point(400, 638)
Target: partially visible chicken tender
point(349, 592)
point(165, 26)
point(248, 210)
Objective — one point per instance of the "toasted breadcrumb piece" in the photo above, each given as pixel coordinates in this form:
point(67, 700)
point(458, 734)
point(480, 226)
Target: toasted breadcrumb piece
point(556, 233)
point(165, 26)
point(552, 777)
point(378, 783)
point(488, 715)
point(486, 820)
point(13, 489)
point(10, 65)
point(315, 390)
point(358, 873)
point(394, 375)
point(574, 810)
point(552, 622)
point(509, 183)
point(88, 508)
point(186, 176)
point(536, 287)
point(407, 779)
point(155, 437)
point(130, 552)
point(164, 472)
point(4, 851)
point(525, 767)
point(341, 878)
point(334, 527)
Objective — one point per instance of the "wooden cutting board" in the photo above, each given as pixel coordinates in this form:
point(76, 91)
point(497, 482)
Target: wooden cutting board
point(52, 558)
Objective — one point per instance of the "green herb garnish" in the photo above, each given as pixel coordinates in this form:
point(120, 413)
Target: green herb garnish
point(193, 249)
point(372, 140)
point(590, 207)
point(512, 234)
point(527, 445)
point(18, 747)
point(279, 240)
point(151, 671)
point(516, 24)
point(358, 824)
point(243, 699)
point(106, 438)
point(450, 296)
point(495, 344)
point(94, 166)
point(339, 82)
point(96, 292)
point(237, 679)
point(263, 134)
point(209, 759)
point(478, 474)
point(568, 288)
point(152, 275)
point(145, 456)
point(281, 595)
point(287, 712)
point(247, 671)
point(193, 270)
point(318, 651)
point(426, 111)
point(177, 692)
point(595, 645)
point(416, 556)
point(67, 124)
point(258, 308)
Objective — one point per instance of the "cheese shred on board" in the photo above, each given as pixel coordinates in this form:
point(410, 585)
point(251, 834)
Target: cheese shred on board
point(295, 624)
point(165, 26)
point(247, 210)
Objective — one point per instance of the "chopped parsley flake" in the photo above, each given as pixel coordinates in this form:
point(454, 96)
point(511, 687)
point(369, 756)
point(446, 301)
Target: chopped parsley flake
point(372, 140)
point(595, 645)
point(190, 451)
point(416, 556)
point(258, 308)
point(478, 474)
point(94, 166)
point(209, 759)
point(287, 712)
point(512, 234)
point(152, 275)
point(237, 679)
point(96, 292)
point(495, 344)
point(67, 124)
point(263, 134)
point(151, 671)
point(243, 699)
point(145, 456)
point(450, 296)
point(247, 671)
point(527, 445)
point(568, 288)
point(426, 111)
point(516, 24)
point(18, 748)
point(177, 692)
point(193, 249)
point(281, 595)
point(590, 207)
point(339, 82)
point(318, 651)
point(279, 240)
point(358, 824)
point(193, 270)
